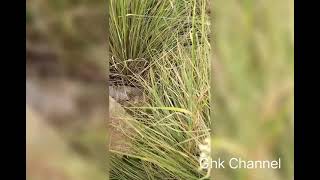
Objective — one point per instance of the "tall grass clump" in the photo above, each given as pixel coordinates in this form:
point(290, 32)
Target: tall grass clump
point(140, 29)
point(174, 119)
point(137, 29)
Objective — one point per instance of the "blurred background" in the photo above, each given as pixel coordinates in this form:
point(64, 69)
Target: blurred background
point(253, 86)
point(66, 94)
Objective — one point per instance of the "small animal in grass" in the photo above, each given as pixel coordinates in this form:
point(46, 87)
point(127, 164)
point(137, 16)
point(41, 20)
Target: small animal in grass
point(123, 94)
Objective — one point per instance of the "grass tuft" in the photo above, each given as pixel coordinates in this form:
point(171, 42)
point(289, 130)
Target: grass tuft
point(172, 38)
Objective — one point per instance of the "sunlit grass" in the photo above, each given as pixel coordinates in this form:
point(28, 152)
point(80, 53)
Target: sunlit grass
point(252, 76)
point(174, 120)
